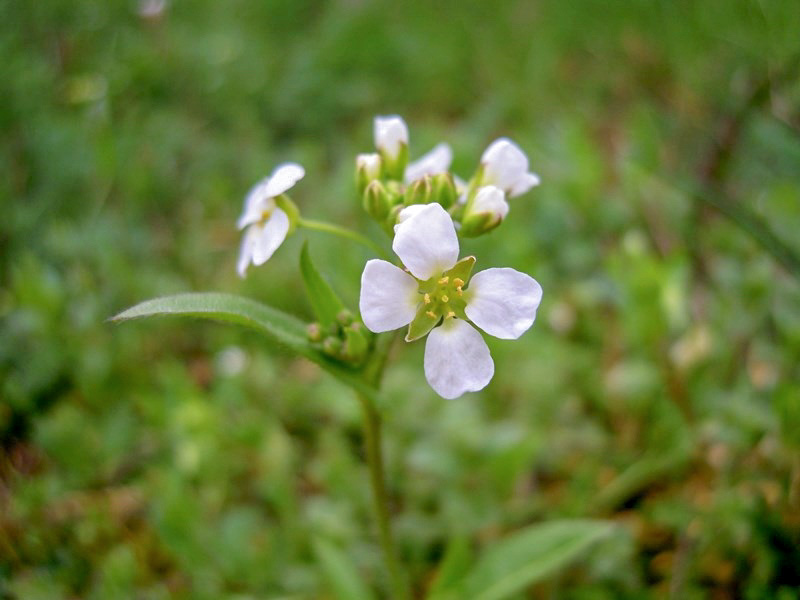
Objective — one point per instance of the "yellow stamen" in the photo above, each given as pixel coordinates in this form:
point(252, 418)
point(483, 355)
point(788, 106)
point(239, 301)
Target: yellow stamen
point(450, 315)
point(431, 314)
point(459, 291)
point(444, 280)
point(458, 282)
point(445, 298)
point(427, 298)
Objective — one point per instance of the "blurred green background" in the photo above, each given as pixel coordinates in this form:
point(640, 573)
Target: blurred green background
point(180, 459)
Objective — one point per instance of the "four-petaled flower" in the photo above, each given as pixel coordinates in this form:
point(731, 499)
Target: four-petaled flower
point(432, 290)
point(505, 165)
point(267, 224)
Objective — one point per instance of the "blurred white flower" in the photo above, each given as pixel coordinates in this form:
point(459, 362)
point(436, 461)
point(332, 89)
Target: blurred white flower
point(390, 133)
point(505, 165)
point(430, 291)
point(369, 165)
point(434, 162)
point(266, 223)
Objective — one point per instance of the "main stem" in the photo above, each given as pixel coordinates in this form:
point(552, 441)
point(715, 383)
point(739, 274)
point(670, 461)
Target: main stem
point(372, 441)
point(380, 498)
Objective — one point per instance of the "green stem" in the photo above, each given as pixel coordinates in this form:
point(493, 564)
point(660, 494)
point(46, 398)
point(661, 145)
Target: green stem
point(372, 440)
point(380, 498)
point(343, 232)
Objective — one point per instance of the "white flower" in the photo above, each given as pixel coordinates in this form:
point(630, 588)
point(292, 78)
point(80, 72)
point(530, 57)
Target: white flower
point(370, 165)
point(434, 162)
point(266, 223)
point(506, 166)
point(490, 200)
point(390, 133)
point(430, 291)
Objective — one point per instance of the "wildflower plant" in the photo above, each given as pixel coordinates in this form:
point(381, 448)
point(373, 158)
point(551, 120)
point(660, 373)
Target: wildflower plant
point(424, 209)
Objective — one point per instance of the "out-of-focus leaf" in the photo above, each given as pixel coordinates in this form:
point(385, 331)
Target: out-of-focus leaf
point(453, 568)
point(324, 301)
point(277, 325)
point(529, 556)
point(340, 572)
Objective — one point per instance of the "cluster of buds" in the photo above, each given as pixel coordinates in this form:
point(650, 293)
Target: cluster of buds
point(388, 183)
point(346, 340)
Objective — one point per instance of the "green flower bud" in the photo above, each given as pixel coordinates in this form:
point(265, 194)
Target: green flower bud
point(376, 200)
point(443, 189)
point(332, 346)
point(345, 317)
point(314, 332)
point(419, 192)
point(356, 343)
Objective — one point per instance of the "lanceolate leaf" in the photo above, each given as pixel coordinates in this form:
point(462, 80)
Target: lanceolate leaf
point(342, 576)
point(324, 301)
point(530, 555)
point(278, 326)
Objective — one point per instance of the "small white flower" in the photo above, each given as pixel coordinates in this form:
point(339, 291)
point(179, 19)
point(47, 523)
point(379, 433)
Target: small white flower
point(506, 166)
point(434, 162)
point(266, 223)
point(370, 165)
point(430, 291)
point(390, 133)
point(490, 200)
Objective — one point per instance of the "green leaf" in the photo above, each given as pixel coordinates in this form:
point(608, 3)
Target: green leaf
point(454, 566)
point(341, 573)
point(324, 301)
point(530, 555)
point(275, 324)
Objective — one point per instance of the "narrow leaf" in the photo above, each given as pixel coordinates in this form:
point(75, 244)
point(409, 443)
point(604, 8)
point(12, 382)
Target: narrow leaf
point(340, 572)
point(324, 301)
point(454, 566)
point(275, 324)
point(530, 555)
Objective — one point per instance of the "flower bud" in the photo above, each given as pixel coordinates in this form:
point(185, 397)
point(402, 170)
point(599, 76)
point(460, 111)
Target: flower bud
point(419, 192)
point(368, 168)
point(332, 346)
point(376, 200)
point(314, 332)
point(345, 317)
point(356, 343)
point(391, 140)
point(443, 189)
point(484, 212)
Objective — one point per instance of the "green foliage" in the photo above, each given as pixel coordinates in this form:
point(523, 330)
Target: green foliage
point(324, 300)
point(181, 459)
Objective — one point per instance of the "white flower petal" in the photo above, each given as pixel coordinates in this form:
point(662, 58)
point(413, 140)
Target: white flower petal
point(523, 184)
point(389, 296)
point(457, 359)
point(490, 199)
point(255, 204)
point(503, 302)
point(283, 177)
point(269, 235)
point(370, 163)
point(407, 213)
point(504, 164)
point(426, 242)
point(390, 132)
point(434, 162)
point(260, 197)
point(246, 251)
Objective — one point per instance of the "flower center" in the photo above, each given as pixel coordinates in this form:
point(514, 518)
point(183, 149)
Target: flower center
point(442, 298)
